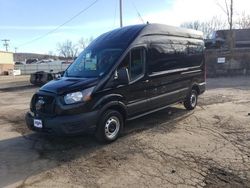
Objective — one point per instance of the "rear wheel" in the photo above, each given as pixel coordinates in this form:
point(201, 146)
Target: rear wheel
point(191, 100)
point(109, 127)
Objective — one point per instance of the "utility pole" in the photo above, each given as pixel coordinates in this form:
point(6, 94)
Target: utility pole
point(232, 39)
point(231, 25)
point(6, 44)
point(231, 35)
point(228, 10)
point(231, 15)
point(121, 13)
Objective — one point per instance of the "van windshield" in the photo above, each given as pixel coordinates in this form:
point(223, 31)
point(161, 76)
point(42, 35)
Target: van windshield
point(94, 62)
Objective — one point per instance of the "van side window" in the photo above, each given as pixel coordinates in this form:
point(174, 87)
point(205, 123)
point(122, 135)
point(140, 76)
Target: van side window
point(164, 57)
point(195, 49)
point(125, 62)
point(195, 55)
point(134, 62)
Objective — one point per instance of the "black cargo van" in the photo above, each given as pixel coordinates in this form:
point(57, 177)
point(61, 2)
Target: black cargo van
point(122, 75)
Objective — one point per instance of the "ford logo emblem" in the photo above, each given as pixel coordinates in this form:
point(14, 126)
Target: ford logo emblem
point(39, 104)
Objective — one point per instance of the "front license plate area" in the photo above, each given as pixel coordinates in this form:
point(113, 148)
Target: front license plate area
point(38, 123)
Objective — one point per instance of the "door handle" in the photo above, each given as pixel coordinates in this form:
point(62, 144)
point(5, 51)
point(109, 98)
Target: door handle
point(146, 81)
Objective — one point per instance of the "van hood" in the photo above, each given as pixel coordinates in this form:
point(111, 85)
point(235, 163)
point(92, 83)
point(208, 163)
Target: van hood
point(69, 84)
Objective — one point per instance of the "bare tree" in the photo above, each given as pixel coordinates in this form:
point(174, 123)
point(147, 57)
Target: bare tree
point(84, 42)
point(228, 8)
point(196, 25)
point(243, 22)
point(50, 54)
point(213, 25)
point(207, 27)
point(67, 49)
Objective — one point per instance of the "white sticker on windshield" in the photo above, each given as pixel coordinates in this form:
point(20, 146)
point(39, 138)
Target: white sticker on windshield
point(90, 63)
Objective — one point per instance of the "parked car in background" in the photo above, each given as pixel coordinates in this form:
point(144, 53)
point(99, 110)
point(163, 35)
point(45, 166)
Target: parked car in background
point(31, 61)
point(67, 62)
point(45, 61)
point(41, 77)
point(19, 63)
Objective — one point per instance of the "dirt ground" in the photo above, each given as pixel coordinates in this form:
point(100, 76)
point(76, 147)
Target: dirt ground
point(207, 147)
point(14, 81)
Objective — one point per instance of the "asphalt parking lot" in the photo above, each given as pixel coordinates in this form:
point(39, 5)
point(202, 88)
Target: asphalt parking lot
point(207, 147)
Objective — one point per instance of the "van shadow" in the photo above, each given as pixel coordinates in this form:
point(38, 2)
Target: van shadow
point(32, 154)
point(165, 119)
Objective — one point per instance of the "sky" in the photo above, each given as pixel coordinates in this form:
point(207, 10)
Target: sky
point(21, 21)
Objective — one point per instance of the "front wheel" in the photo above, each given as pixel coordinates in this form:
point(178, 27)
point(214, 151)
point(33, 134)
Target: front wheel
point(109, 127)
point(191, 100)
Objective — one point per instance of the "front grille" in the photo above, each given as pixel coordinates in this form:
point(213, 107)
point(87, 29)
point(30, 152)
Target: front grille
point(43, 104)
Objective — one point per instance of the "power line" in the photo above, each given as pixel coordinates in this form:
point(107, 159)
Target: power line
point(58, 27)
point(138, 13)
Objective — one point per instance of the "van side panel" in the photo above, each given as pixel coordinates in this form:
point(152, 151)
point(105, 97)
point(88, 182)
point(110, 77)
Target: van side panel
point(174, 65)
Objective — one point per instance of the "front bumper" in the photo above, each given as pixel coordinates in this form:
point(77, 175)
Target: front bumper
point(64, 125)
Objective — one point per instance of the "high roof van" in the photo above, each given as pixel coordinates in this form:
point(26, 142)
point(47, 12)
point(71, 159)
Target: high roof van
point(122, 75)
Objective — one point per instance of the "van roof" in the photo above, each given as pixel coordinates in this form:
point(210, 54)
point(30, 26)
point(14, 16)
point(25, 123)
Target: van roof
point(129, 32)
point(160, 29)
point(126, 35)
point(123, 36)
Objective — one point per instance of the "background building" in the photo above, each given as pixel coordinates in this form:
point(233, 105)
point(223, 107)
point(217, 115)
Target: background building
point(6, 62)
point(221, 60)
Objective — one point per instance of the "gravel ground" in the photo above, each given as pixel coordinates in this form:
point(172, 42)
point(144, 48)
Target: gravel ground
point(207, 147)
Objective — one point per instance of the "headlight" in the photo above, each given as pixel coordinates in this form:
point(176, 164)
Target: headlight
point(79, 96)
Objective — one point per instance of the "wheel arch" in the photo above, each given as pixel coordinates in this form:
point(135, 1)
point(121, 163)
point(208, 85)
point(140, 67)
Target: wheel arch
point(196, 88)
point(114, 105)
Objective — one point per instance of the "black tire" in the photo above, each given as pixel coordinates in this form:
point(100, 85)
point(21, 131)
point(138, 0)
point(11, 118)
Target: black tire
point(191, 100)
point(110, 126)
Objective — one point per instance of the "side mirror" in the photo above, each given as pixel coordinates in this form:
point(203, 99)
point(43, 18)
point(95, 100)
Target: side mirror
point(122, 76)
